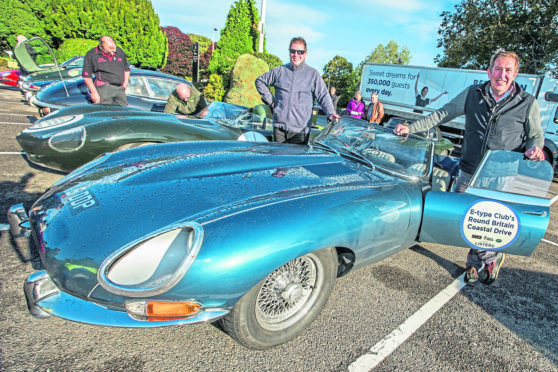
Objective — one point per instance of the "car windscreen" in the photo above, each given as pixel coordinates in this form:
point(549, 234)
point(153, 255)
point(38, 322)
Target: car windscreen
point(410, 155)
point(34, 55)
point(236, 116)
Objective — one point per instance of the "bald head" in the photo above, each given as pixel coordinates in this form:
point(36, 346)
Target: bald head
point(183, 91)
point(107, 45)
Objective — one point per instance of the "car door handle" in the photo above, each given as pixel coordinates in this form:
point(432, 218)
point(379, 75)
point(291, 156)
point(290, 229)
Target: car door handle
point(536, 213)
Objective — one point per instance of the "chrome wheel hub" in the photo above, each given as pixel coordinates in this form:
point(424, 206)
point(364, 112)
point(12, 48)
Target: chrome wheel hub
point(287, 293)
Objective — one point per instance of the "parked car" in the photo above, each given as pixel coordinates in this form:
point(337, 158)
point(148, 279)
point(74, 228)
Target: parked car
point(10, 77)
point(37, 60)
point(32, 83)
point(147, 89)
point(76, 135)
point(254, 234)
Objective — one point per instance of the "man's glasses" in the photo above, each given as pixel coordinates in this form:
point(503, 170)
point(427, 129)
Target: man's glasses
point(297, 51)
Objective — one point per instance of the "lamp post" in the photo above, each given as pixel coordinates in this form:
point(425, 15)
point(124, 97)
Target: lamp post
point(213, 38)
point(261, 28)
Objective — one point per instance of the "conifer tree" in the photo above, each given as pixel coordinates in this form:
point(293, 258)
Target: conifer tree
point(240, 36)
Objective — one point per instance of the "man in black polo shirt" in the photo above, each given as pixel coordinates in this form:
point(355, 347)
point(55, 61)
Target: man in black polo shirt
point(108, 64)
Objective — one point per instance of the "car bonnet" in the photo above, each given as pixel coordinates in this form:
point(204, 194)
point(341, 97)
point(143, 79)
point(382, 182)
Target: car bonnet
point(92, 212)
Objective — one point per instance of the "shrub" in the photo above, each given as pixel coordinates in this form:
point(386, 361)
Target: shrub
point(271, 59)
point(74, 47)
point(215, 90)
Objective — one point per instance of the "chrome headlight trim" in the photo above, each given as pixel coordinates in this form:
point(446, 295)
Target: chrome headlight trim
point(54, 122)
point(57, 139)
point(151, 286)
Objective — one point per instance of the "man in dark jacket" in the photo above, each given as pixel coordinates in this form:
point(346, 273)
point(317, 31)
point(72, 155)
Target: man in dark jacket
point(296, 85)
point(499, 115)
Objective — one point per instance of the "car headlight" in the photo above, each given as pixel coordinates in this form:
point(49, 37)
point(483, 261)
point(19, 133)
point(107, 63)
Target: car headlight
point(54, 122)
point(154, 264)
point(68, 140)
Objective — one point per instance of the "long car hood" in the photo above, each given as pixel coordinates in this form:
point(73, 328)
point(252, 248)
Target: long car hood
point(97, 209)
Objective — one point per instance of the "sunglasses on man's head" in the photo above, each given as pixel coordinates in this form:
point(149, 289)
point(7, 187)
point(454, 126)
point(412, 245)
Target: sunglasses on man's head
point(297, 51)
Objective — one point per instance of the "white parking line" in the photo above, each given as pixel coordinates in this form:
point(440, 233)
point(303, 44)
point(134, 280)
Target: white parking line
point(553, 199)
point(11, 123)
point(12, 153)
point(6, 113)
point(392, 341)
point(549, 242)
point(4, 227)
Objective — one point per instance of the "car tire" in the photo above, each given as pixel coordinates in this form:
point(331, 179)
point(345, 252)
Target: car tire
point(284, 303)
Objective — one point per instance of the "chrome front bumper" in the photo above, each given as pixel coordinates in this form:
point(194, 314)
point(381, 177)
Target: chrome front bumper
point(40, 104)
point(45, 299)
point(19, 221)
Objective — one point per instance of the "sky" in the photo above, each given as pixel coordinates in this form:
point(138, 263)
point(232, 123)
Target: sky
point(351, 29)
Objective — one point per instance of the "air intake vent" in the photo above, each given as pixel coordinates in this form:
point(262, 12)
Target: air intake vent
point(330, 170)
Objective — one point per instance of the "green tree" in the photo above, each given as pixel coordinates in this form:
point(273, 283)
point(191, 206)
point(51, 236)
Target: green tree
point(471, 33)
point(339, 73)
point(391, 53)
point(133, 24)
point(271, 59)
point(21, 17)
point(204, 42)
point(74, 47)
point(240, 36)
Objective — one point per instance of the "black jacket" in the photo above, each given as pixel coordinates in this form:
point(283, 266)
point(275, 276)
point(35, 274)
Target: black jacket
point(505, 125)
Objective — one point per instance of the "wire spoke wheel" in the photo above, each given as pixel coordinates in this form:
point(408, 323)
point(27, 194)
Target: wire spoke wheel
point(286, 292)
point(285, 302)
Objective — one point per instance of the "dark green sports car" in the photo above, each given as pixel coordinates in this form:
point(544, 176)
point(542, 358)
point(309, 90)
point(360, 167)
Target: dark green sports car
point(76, 135)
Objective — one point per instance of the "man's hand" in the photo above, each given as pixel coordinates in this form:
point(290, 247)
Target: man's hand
point(95, 97)
point(125, 84)
point(535, 153)
point(334, 117)
point(401, 130)
point(202, 114)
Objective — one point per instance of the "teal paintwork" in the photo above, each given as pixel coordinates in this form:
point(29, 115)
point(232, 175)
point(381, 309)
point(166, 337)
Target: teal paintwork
point(361, 190)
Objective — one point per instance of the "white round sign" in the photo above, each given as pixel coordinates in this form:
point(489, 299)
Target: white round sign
point(490, 225)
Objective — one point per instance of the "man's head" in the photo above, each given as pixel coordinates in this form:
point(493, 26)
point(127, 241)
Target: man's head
point(107, 45)
point(297, 50)
point(504, 67)
point(332, 91)
point(183, 91)
point(374, 97)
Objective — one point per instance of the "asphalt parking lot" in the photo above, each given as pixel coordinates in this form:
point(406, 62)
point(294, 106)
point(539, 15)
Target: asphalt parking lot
point(509, 326)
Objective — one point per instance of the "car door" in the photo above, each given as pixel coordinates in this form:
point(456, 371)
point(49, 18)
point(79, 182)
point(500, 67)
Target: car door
point(505, 207)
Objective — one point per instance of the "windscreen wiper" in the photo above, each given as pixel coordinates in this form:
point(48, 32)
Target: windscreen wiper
point(323, 146)
point(360, 158)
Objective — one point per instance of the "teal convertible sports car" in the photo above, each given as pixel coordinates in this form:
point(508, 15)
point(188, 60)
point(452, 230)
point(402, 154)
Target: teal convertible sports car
point(255, 234)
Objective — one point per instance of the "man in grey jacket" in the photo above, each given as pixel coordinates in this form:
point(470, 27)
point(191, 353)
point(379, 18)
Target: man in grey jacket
point(296, 86)
point(499, 115)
